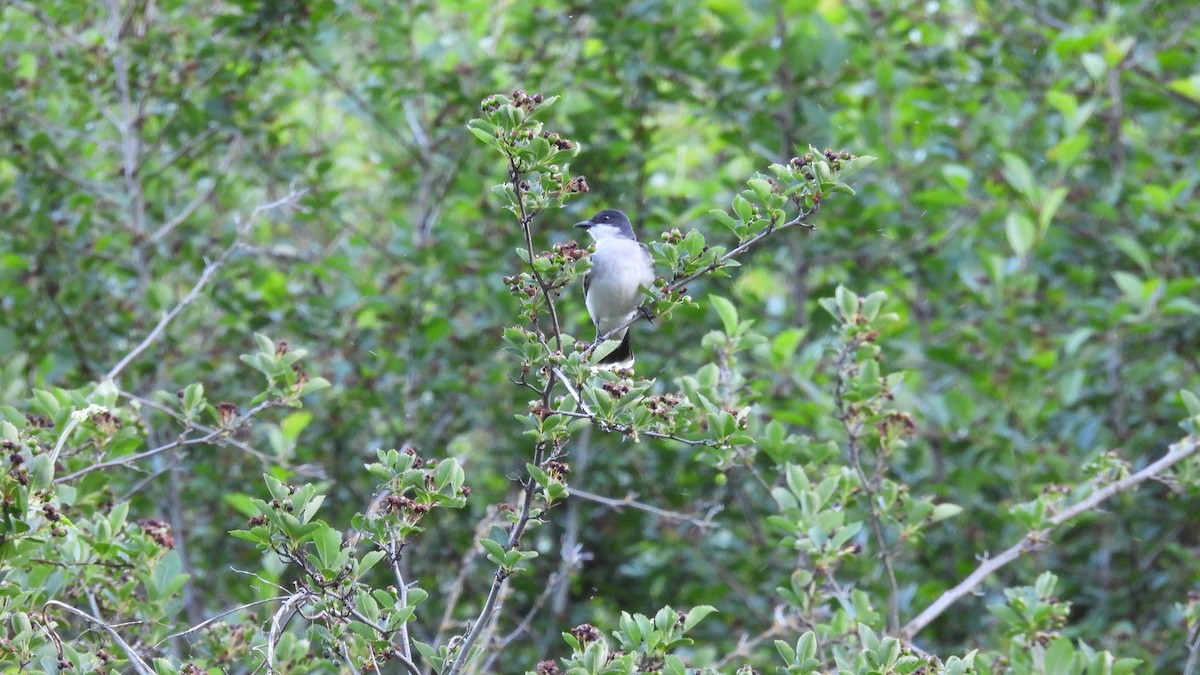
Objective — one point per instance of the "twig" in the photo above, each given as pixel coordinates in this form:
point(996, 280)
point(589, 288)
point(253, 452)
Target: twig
point(629, 430)
point(139, 666)
point(180, 442)
point(557, 579)
point(630, 502)
point(540, 455)
point(200, 199)
point(213, 619)
point(205, 277)
point(746, 644)
point(1193, 646)
point(1176, 453)
point(464, 565)
point(227, 440)
point(717, 264)
point(402, 592)
point(290, 606)
point(852, 425)
point(127, 125)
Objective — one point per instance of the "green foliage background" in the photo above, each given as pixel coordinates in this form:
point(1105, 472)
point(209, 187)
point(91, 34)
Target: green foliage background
point(1032, 217)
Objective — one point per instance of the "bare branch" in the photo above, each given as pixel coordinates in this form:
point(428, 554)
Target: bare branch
point(200, 199)
point(280, 619)
point(853, 426)
point(135, 660)
point(628, 430)
point(736, 251)
point(204, 429)
point(215, 618)
point(402, 592)
point(127, 124)
point(1193, 646)
point(464, 566)
point(205, 277)
point(1176, 453)
point(214, 435)
point(630, 502)
point(540, 450)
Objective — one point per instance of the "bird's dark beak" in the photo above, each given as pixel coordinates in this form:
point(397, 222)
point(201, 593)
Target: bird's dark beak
point(584, 224)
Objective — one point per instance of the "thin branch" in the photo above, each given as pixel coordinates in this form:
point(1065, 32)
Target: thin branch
point(200, 199)
point(205, 277)
point(853, 427)
point(179, 442)
point(1193, 646)
point(630, 502)
point(139, 666)
point(127, 124)
point(540, 455)
point(464, 565)
point(558, 578)
point(215, 618)
point(717, 264)
point(1177, 452)
point(628, 430)
point(402, 592)
point(280, 619)
point(204, 429)
point(366, 108)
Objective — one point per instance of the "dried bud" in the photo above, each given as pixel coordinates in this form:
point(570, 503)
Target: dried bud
point(227, 412)
point(157, 530)
point(558, 469)
point(585, 633)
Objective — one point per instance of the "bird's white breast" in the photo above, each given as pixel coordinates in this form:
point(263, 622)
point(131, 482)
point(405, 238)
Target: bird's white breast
point(619, 267)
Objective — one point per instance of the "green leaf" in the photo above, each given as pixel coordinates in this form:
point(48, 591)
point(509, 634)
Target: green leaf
point(493, 548)
point(328, 543)
point(944, 511)
point(727, 220)
point(1050, 204)
point(41, 473)
point(1134, 249)
point(785, 650)
point(855, 165)
point(1021, 233)
point(847, 303)
point(314, 384)
point(265, 346)
point(727, 312)
point(1095, 65)
point(696, 615)
point(368, 560)
point(1190, 401)
point(1131, 286)
point(1060, 658)
point(762, 189)
point(743, 209)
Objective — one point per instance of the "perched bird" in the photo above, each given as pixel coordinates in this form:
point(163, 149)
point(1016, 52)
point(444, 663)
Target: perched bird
point(620, 266)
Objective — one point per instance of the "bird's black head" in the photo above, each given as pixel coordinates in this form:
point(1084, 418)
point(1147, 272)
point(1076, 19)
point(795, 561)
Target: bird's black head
point(608, 222)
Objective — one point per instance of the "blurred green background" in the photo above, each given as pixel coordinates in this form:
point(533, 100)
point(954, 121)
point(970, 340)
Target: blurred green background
point(1032, 216)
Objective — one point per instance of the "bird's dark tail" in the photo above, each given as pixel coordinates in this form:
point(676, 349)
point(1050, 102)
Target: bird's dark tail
point(622, 356)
